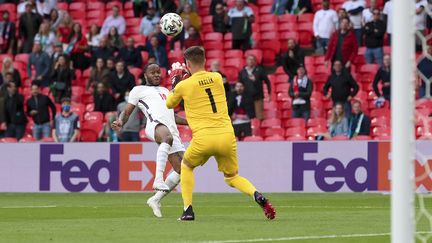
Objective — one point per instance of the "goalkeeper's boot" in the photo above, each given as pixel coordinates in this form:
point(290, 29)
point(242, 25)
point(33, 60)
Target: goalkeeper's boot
point(155, 205)
point(269, 210)
point(188, 214)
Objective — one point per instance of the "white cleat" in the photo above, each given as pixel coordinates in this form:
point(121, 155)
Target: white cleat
point(155, 206)
point(160, 186)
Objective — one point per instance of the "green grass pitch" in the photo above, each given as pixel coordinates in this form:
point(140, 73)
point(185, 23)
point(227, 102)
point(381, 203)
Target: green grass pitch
point(125, 217)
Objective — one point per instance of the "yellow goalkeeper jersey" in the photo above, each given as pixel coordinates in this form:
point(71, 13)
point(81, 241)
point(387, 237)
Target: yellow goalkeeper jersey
point(205, 103)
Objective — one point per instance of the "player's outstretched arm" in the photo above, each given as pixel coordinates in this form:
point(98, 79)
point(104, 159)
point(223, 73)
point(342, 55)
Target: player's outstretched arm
point(123, 118)
point(180, 120)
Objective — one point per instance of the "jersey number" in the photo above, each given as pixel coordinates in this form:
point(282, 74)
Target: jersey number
point(212, 102)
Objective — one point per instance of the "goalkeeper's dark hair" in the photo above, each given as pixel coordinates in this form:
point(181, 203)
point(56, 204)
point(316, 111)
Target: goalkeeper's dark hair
point(195, 55)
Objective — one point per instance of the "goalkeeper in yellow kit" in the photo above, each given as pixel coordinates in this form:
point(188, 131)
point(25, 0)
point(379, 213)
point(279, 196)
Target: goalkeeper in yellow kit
point(212, 132)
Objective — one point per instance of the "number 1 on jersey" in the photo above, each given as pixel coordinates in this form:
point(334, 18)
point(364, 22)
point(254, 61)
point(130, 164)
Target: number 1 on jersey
point(212, 102)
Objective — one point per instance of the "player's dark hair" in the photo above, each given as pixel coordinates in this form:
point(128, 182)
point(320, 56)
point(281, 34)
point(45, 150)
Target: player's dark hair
point(65, 99)
point(146, 67)
point(195, 54)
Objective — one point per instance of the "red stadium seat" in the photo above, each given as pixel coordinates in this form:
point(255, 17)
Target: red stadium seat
point(380, 131)
point(207, 20)
point(253, 138)
point(313, 131)
point(339, 138)
point(234, 54)
point(215, 36)
point(47, 140)
point(95, 5)
point(305, 18)
point(362, 138)
point(381, 121)
point(275, 138)
point(296, 138)
point(268, 18)
point(8, 140)
point(268, 27)
point(94, 116)
point(380, 112)
point(77, 6)
point(27, 140)
point(111, 4)
point(295, 131)
point(274, 131)
point(272, 122)
point(287, 18)
point(265, 2)
point(271, 35)
point(295, 122)
point(234, 62)
point(214, 54)
point(317, 122)
point(255, 52)
point(213, 45)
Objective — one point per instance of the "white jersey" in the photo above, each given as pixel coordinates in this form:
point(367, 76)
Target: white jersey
point(151, 100)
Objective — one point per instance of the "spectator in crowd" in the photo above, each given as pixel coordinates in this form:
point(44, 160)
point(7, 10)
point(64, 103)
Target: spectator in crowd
point(342, 46)
point(3, 94)
point(300, 91)
point(342, 14)
point(374, 39)
point(193, 4)
point(46, 38)
point(140, 8)
point(162, 37)
point(55, 19)
point(76, 48)
point(130, 131)
point(193, 16)
point(115, 41)
point(338, 125)
point(241, 19)
point(252, 77)
point(115, 20)
point(65, 28)
point(58, 50)
point(44, 7)
point(424, 68)
point(343, 86)
point(220, 19)
point(41, 62)
point(178, 38)
point(149, 22)
point(121, 81)
point(299, 6)
point(324, 24)
point(8, 67)
point(7, 34)
point(110, 64)
point(15, 117)
point(359, 123)
point(38, 107)
point(215, 67)
point(241, 111)
point(388, 18)
point(383, 75)
point(166, 6)
point(193, 39)
point(293, 58)
point(355, 9)
point(103, 51)
point(21, 7)
point(66, 124)
point(367, 14)
point(279, 7)
point(62, 77)
point(420, 21)
point(130, 54)
point(94, 37)
point(98, 74)
point(29, 23)
point(103, 101)
point(213, 5)
point(158, 52)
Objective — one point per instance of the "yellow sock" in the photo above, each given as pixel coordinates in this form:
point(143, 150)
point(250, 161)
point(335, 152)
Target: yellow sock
point(187, 184)
point(241, 183)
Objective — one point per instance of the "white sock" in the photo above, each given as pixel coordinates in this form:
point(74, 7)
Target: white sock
point(172, 180)
point(161, 160)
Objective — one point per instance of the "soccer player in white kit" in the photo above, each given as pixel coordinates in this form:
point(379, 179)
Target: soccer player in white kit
point(161, 127)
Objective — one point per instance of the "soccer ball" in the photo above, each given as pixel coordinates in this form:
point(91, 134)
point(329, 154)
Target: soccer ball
point(171, 24)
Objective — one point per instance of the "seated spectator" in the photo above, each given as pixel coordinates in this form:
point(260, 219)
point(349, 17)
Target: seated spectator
point(241, 111)
point(420, 22)
point(38, 107)
point(8, 67)
point(161, 36)
point(299, 6)
point(7, 34)
point(252, 77)
point(98, 74)
point(215, 67)
point(388, 18)
point(178, 38)
point(94, 37)
point(62, 77)
point(66, 124)
point(324, 24)
point(130, 54)
point(193, 39)
point(192, 16)
point(158, 52)
point(115, 41)
point(15, 117)
point(183, 3)
point(343, 86)
point(110, 64)
point(58, 50)
point(343, 45)
point(29, 23)
point(3, 95)
point(213, 5)
point(166, 6)
point(355, 9)
point(130, 130)
point(374, 32)
point(44, 7)
point(116, 21)
point(65, 28)
point(241, 18)
point(220, 19)
point(121, 81)
point(300, 91)
point(41, 62)
point(359, 123)
point(55, 19)
point(140, 8)
point(424, 68)
point(293, 58)
point(383, 76)
point(76, 48)
point(149, 22)
point(338, 125)
point(103, 101)
point(104, 51)
point(367, 13)
point(279, 7)
point(46, 38)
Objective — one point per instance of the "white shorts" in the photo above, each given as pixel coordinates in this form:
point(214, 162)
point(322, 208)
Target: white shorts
point(177, 145)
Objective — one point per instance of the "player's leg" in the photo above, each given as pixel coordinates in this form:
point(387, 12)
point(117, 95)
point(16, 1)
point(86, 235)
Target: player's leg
point(164, 138)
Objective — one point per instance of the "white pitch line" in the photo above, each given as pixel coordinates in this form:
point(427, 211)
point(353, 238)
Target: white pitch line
point(42, 206)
